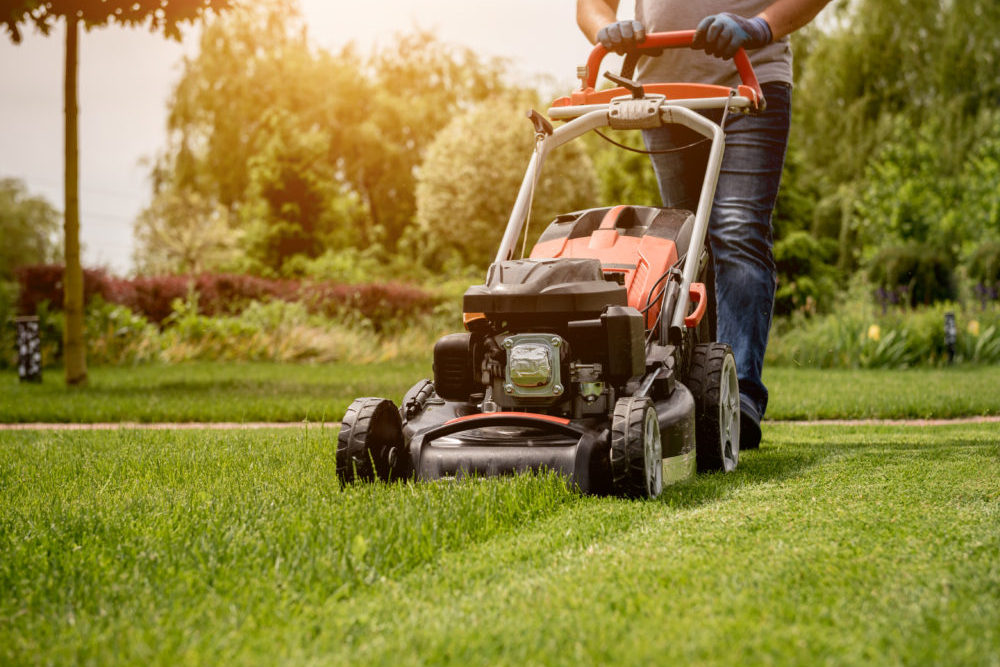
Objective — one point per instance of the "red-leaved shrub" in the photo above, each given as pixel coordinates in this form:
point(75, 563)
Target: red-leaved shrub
point(225, 294)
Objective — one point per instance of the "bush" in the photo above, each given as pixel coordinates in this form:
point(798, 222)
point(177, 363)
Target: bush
point(471, 176)
point(116, 335)
point(855, 337)
point(807, 281)
point(381, 304)
point(984, 270)
point(913, 274)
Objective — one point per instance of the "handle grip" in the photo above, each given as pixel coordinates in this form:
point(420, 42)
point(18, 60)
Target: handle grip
point(656, 41)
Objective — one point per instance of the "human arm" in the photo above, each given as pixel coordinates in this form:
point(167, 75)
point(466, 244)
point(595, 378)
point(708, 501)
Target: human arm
point(592, 15)
point(786, 16)
point(598, 21)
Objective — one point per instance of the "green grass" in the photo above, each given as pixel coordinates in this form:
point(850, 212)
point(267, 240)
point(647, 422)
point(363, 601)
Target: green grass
point(836, 545)
point(244, 392)
point(810, 393)
point(205, 391)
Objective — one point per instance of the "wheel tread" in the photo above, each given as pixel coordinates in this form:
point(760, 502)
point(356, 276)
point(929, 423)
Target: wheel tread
point(355, 459)
point(628, 464)
point(705, 380)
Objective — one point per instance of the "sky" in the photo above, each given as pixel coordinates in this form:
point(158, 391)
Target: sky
point(126, 76)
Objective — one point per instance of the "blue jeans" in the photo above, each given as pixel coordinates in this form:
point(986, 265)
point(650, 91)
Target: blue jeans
point(739, 230)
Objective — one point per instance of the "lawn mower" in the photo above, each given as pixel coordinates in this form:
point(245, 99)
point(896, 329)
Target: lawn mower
point(594, 355)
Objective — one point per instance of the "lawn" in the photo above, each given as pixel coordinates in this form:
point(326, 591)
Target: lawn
point(836, 545)
point(205, 392)
point(247, 392)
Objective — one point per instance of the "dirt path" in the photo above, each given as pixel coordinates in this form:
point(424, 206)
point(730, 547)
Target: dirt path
point(250, 426)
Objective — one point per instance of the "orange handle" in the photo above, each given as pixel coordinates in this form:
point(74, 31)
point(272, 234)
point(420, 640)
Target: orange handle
point(699, 295)
point(672, 40)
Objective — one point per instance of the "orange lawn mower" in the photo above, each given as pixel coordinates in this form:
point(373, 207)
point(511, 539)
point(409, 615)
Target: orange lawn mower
point(593, 356)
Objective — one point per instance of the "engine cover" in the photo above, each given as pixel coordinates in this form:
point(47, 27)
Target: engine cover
point(544, 286)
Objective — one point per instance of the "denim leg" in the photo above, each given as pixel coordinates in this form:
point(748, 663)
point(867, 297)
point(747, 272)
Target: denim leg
point(739, 232)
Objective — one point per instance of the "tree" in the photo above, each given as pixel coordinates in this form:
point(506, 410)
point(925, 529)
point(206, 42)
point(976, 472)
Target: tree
point(295, 206)
point(29, 227)
point(159, 15)
point(878, 79)
point(183, 233)
point(468, 183)
point(311, 151)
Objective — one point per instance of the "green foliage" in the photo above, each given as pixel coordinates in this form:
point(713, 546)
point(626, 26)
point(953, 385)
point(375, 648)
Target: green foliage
point(913, 274)
point(980, 182)
point(275, 331)
point(624, 177)
point(295, 207)
point(855, 337)
point(183, 232)
point(984, 264)
point(332, 140)
point(158, 15)
point(910, 194)
point(116, 335)
point(29, 227)
point(807, 281)
point(354, 266)
point(894, 103)
point(8, 336)
point(469, 181)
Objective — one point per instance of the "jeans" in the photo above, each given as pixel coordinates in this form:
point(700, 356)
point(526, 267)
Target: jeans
point(739, 230)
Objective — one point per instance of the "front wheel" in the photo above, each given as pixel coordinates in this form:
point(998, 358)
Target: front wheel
point(636, 449)
point(716, 389)
point(370, 442)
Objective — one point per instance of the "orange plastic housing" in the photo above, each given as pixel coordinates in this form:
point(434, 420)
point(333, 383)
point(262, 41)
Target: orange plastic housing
point(642, 259)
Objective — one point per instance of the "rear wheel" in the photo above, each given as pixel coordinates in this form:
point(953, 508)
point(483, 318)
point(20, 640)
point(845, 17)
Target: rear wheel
point(636, 449)
point(370, 442)
point(713, 382)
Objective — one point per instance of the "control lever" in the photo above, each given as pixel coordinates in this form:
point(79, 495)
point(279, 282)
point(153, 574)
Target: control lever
point(638, 92)
point(543, 127)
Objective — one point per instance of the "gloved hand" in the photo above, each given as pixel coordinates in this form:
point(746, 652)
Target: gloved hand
point(621, 35)
point(723, 34)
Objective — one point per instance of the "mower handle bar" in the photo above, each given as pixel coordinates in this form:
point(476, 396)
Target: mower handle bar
point(655, 42)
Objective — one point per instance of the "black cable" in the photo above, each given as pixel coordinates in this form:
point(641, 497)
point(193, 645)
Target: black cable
point(642, 152)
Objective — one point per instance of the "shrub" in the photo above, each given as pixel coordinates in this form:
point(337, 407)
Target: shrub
point(42, 283)
point(807, 282)
point(275, 331)
point(855, 337)
point(116, 335)
point(913, 274)
point(984, 270)
point(224, 294)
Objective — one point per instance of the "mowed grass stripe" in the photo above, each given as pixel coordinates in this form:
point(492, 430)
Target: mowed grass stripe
point(267, 392)
point(846, 545)
point(151, 545)
point(206, 392)
point(916, 393)
point(849, 547)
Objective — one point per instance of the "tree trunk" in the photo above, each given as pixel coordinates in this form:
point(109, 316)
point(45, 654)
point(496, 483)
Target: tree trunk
point(74, 345)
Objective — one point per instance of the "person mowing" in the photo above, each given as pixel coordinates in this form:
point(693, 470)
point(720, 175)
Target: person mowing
point(739, 231)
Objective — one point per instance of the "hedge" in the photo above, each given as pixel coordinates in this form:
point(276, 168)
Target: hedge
point(224, 294)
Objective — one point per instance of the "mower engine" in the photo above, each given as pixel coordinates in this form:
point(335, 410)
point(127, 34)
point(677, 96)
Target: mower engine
point(544, 339)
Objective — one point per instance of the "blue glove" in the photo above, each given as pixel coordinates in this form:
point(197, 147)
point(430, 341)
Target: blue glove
point(723, 34)
point(621, 35)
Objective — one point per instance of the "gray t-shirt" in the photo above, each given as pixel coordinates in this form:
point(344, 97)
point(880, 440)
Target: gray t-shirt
point(771, 63)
